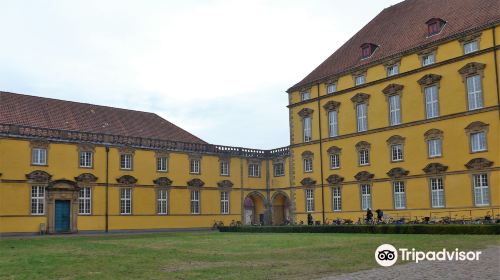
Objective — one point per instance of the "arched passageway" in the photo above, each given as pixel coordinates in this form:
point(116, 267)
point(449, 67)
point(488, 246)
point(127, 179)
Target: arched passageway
point(254, 209)
point(280, 209)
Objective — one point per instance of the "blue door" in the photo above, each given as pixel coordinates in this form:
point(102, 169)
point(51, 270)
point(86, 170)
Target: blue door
point(62, 215)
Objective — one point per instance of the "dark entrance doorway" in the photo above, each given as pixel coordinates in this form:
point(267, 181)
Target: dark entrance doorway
point(62, 216)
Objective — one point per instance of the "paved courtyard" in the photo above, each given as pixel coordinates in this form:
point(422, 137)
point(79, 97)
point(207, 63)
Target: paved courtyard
point(488, 267)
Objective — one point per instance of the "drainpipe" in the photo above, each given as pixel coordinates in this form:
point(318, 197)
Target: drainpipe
point(321, 159)
point(107, 187)
point(496, 69)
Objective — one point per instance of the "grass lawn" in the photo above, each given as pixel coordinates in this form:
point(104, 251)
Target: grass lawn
point(208, 255)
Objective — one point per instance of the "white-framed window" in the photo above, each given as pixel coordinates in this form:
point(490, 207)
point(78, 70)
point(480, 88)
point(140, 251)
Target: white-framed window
point(308, 165)
point(474, 92)
point(195, 202)
point(437, 192)
point(395, 109)
point(399, 195)
point(431, 102)
point(434, 147)
point(337, 199)
point(331, 88)
point(37, 200)
point(162, 201)
point(364, 157)
point(366, 196)
point(194, 166)
point(481, 189)
point(85, 201)
point(162, 164)
point(86, 159)
point(279, 169)
point(254, 170)
point(397, 152)
point(478, 141)
point(309, 200)
point(428, 59)
point(334, 161)
point(305, 95)
point(471, 47)
point(39, 156)
point(333, 124)
point(224, 202)
point(359, 80)
point(125, 201)
point(224, 168)
point(307, 124)
point(362, 116)
point(126, 161)
point(392, 70)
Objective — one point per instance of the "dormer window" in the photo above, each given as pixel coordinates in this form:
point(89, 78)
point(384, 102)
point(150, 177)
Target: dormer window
point(434, 26)
point(367, 50)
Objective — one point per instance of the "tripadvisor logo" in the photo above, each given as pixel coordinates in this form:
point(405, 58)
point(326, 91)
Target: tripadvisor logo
point(387, 255)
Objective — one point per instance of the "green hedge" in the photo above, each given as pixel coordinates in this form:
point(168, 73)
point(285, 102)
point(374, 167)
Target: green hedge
point(404, 229)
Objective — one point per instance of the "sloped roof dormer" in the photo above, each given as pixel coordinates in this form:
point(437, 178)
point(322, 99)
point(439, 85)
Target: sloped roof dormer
point(367, 50)
point(434, 26)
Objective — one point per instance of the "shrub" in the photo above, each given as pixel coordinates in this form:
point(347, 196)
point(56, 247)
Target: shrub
point(491, 229)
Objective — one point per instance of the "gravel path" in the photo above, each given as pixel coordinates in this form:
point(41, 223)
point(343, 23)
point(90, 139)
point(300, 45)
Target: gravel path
point(488, 267)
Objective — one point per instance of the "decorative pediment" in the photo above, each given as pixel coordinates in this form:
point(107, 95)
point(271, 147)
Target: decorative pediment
point(195, 183)
point(305, 112)
point(397, 172)
point(364, 176)
point(335, 179)
point(39, 143)
point(427, 51)
point(331, 106)
point(86, 147)
point(433, 134)
point(395, 139)
point(307, 154)
point(362, 145)
point(469, 38)
point(429, 79)
point(393, 89)
point(126, 150)
point(225, 184)
point(126, 180)
point(161, 153)
point(195, 156)
point(162, 182)
point(360, 98)
point(472, 68)
point(63, 185)
point(86, 178)
point(308, 182)
point(476, 126)
point(334, 150)
point(434, 168)
point(39, 176)
point(478, 163)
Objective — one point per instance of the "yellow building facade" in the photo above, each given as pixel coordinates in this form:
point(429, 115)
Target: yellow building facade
point(414, 134)
point(405, 121)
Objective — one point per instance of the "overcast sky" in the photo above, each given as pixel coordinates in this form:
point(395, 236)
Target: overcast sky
point(218, 69)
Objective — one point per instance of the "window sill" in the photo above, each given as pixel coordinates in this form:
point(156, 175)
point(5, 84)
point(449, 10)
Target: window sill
point(86, 167)
point(477, 152)
point(162, 171)
point(34, 164)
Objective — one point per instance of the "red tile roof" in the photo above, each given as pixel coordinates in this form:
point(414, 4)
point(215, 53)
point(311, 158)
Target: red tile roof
point(50, 113)
point(402, 27)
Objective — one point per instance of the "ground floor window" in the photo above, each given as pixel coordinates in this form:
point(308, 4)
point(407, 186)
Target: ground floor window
point(310, 200)
point(195, 202)
point(125, 201)
point(481, 189)
point(162, 201)
point(399, 195)
point(85, 200)
point(337, 199)
point(366, 197)
point(437, 192)
point(37, 200)
point(224, 202)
